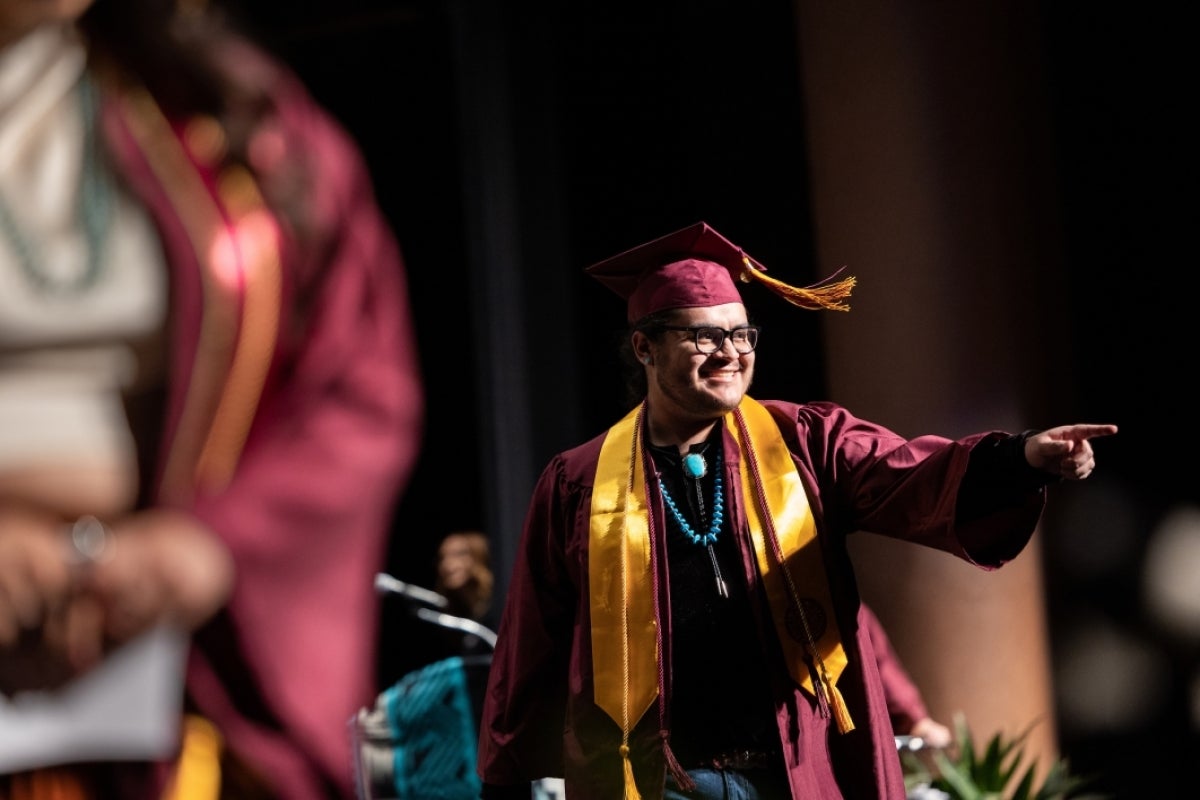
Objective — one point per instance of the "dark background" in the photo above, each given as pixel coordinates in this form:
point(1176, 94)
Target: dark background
point(512, 144)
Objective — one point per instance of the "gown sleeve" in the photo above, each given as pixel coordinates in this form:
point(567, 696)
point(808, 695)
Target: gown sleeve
point(521, 733)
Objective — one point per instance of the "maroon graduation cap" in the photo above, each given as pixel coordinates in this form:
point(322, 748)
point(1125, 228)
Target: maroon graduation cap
point(697, 267)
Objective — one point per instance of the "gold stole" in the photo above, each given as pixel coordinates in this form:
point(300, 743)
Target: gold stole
point(625, 650)
point(785, 533)
point(237, 244)
point(624, 625)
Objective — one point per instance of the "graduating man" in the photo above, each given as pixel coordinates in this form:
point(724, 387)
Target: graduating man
point(683, 619)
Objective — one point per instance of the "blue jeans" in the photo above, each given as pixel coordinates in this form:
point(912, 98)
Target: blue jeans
point(729, 784)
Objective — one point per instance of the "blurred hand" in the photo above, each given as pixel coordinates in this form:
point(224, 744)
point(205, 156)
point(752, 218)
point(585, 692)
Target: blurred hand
point(932, 733)
point(35, 575)
point(50, 630)
point(1065, 451)
point(162, 567)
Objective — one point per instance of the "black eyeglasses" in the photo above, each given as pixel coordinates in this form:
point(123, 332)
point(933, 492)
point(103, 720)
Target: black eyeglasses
point(710, 339)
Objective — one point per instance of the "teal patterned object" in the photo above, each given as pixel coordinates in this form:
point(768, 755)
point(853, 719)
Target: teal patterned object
point(434, 734)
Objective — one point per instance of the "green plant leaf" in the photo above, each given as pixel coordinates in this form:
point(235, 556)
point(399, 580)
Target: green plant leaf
point(960, 784)
point(966, 773)
point(1025, 786)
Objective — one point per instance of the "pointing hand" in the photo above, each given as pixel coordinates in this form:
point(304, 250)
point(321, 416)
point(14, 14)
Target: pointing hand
point(1066, 450)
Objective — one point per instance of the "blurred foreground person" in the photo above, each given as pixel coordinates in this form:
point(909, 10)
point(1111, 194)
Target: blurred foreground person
point(683, 619)
point(209, 393)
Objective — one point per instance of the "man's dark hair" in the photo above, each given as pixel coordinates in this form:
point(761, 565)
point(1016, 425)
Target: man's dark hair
point(634, 371)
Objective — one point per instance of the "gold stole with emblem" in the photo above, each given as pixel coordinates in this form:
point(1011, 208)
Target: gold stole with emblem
point(625, 644)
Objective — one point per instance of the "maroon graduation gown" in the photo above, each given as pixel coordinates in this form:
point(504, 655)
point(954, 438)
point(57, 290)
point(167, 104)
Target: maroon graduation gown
point(539, 718)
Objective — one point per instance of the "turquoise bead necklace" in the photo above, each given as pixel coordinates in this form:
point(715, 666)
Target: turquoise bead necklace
point(694, 468)
point(718, 515)
point(95, 212)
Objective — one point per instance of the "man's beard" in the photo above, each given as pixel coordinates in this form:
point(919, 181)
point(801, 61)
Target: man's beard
point(696, 400)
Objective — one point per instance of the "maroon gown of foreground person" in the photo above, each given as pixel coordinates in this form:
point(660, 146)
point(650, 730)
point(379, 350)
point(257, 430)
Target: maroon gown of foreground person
point(279, 410)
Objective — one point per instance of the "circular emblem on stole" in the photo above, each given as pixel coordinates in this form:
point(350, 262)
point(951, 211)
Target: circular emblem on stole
point(814, 614)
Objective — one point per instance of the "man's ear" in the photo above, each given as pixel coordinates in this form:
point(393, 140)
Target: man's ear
point(641, 347)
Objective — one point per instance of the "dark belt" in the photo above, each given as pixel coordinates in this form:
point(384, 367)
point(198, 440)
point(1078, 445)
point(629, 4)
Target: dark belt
point(741, 759)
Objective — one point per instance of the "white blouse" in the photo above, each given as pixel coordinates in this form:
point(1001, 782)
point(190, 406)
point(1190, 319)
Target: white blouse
point(66, 356)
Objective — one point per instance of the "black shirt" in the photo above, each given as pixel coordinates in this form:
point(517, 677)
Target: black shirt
point(720, 694)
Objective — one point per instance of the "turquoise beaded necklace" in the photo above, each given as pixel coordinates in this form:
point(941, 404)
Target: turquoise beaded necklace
point(697, 470)
point(95, 212)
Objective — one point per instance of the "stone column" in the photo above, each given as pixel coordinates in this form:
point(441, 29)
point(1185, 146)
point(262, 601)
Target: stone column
point(928, 144)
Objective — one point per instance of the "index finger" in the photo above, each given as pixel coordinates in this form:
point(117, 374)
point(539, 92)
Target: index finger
point(1091, 431)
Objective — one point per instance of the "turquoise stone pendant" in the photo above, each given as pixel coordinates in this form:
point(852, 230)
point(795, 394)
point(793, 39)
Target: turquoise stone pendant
point(694, 465)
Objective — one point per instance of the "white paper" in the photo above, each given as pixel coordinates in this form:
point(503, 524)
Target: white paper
point(126, 708)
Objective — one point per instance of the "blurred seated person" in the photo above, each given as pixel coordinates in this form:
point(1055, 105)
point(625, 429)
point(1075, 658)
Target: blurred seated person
point(464, 574)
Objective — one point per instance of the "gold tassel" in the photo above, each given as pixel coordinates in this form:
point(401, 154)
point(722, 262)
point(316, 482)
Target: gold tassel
point(828, 293)
point(198, 773)
point(631, 792)
point(841, 714)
